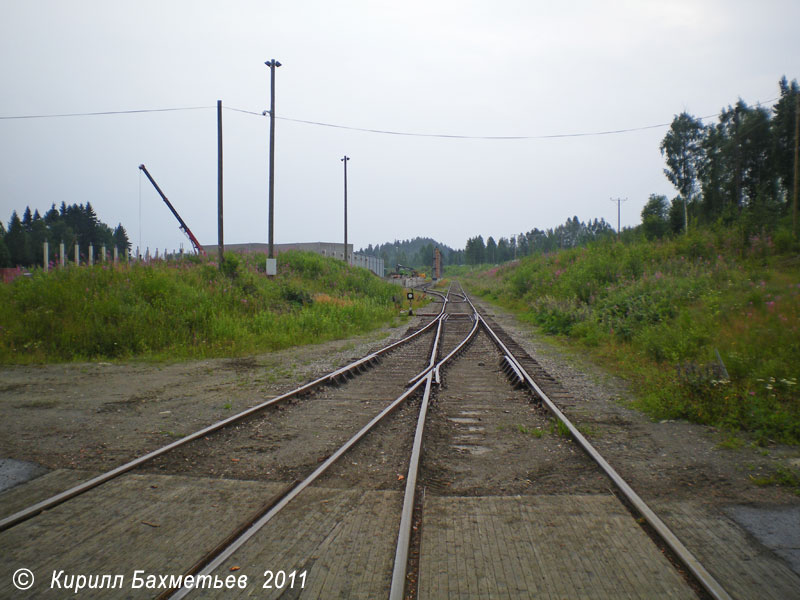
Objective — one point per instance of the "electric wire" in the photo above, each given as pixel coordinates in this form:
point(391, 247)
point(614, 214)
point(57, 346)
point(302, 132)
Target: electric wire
point(379, 131)
point(477, 137)
point(105, 112)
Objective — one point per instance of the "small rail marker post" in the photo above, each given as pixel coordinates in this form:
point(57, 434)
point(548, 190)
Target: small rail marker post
point(46, 261)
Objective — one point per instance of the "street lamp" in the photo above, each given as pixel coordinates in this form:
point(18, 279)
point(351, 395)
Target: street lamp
point(344, 160)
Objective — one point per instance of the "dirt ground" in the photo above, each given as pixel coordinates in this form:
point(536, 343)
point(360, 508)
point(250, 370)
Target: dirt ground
point(94, 416)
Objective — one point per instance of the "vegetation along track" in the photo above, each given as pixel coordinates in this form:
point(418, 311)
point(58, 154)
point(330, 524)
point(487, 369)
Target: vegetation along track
point(356, 520)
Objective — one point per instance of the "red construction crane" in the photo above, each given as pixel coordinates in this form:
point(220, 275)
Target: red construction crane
point(198, 248)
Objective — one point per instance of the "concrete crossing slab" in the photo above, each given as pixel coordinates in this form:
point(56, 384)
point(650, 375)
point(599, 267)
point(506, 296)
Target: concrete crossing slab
point(548, 547)
point(744, 566)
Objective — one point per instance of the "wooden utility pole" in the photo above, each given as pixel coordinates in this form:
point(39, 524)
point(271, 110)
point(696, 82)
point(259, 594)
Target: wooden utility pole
point(344, 160)
point(796, 160)
point(220, 233)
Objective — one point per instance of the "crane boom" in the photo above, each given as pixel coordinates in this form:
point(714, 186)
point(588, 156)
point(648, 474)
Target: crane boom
point(198, 248)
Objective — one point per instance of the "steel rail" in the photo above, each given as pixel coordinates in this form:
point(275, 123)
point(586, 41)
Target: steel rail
point(703, 577)
point(397, 589)
point(225, 554)
point(435, 367)
point(258, 525)
point(398, 586)
point(55, 500)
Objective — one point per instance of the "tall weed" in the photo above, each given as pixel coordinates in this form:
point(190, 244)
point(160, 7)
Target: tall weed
point(187, 309)
point(659, 310)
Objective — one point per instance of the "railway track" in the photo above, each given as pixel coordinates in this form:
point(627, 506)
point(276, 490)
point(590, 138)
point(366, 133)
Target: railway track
point(369, 514)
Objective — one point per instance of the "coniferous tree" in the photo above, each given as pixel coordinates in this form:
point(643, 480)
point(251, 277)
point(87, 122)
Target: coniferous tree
point(120, 239)
point(5, 256)
point(491, 250)
point(18, 242)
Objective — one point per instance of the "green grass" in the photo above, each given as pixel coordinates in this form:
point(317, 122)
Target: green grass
point(191, 309)
point(534, 431)
point(658, 313)
point(781, 476)
point(557, 427)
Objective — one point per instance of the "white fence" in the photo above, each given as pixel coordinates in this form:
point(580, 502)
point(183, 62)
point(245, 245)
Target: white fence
point(373, 263)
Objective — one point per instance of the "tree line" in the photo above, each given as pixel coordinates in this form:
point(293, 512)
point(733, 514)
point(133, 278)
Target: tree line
point(417, 253)
point(569, 235)
point(22, 243)
point(739, 170)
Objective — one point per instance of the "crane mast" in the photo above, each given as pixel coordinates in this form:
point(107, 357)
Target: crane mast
point(197, 247)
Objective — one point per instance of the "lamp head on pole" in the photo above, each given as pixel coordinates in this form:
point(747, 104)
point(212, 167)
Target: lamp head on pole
point(272, 63)
point(345, 158)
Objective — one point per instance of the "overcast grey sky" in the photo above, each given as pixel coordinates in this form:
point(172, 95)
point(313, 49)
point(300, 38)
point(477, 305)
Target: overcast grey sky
point(483, 68)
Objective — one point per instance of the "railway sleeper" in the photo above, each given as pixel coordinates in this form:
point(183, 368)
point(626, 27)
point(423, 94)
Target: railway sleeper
point(511, 371)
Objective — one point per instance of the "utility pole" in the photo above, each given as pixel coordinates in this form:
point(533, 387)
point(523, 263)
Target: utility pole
point(796, 160)
point(220, 234)
point(344, 160)
point(272, 64)
point(618, 201)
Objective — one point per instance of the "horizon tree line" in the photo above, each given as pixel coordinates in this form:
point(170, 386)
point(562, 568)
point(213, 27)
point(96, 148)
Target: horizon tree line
point(23, 242)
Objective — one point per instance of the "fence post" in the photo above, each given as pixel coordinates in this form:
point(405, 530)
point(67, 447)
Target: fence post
point(116, 256)
point(77, 255)
point(62, 254)
point(103, 253)
point(91, 255)
point(46, 262)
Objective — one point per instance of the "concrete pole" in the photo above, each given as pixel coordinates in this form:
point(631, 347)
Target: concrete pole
point(62, 255)
point(77, 255)
point(46, 261)
point(272, 64)
point(220, 231)
point(796, 162)
point(91, 255)
point(116, 256)
point(344, 160)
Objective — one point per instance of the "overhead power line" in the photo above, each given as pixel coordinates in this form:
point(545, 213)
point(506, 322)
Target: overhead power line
point(369, 130)
point(106, 112)
point(476, 137)
point(452, 136)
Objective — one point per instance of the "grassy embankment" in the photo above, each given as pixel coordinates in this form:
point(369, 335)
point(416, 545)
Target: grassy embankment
point(658, 312)
point(187, 310)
